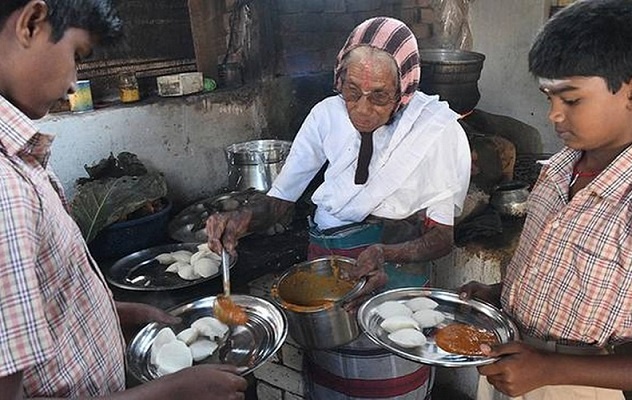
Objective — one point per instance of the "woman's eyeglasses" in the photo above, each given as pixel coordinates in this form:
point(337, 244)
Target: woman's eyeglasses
point(377, 98)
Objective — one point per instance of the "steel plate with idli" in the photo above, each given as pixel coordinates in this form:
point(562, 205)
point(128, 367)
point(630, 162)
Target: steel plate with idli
point(245, 346)
point(412, 322)
point(156, 269)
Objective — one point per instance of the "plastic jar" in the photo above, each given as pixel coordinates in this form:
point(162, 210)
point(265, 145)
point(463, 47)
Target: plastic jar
point(128, 87)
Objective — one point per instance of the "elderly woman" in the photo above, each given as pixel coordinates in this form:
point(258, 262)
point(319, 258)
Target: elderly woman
point(399, 163)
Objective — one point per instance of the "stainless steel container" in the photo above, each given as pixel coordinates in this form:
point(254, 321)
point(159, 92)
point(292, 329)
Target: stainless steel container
point(510, 199)
point(255, 164)
point(312, 295)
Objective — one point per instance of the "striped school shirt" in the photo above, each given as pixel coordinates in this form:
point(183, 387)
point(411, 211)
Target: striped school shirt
point(58, 323)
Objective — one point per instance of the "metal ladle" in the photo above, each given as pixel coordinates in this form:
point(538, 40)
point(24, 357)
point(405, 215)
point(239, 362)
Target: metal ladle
point(224, 308)
point(226, 272)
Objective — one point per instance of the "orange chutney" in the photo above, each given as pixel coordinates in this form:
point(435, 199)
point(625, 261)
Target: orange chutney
point(305, 290)
point(464, 339)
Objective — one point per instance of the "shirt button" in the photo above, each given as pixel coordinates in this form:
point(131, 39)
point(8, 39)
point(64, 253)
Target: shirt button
point(555, 224)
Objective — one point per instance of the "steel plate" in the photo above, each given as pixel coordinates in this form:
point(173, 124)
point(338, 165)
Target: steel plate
point(247, 346)
point(474, 312)
point(141, 271)
point(189, 225)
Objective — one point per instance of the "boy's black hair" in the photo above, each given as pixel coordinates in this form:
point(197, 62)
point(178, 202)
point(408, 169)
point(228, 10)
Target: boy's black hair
point(95, 16)
point(586, 38)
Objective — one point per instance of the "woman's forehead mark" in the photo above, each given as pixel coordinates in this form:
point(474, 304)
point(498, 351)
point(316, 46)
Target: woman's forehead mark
point(367, 67)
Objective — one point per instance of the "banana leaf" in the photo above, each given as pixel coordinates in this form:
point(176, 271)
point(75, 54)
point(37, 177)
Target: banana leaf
point(102, 202)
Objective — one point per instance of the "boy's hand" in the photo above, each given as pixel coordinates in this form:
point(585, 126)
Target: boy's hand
point(134, 316)
point(478, 290)
point(209, 382)
point(520, 369)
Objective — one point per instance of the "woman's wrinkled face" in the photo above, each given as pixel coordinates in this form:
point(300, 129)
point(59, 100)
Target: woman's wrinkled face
point(370, 92)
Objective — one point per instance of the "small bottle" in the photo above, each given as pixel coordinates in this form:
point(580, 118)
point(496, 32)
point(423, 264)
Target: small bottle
point(128, 87)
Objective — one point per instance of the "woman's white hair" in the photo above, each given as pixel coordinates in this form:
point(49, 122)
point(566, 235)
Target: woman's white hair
point(362, 53)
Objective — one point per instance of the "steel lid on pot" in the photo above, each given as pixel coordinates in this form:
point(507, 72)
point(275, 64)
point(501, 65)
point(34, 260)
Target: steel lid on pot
point(255, 152)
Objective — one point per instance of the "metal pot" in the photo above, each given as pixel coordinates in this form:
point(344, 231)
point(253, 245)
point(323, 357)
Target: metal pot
point(255, 164)
point(312, 294)
point(453, 75)
point(510, 198)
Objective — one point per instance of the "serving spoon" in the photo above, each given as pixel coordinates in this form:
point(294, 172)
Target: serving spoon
point(224, 308)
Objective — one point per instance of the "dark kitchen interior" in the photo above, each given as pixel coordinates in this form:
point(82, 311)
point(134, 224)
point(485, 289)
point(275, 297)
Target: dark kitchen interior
point(272, 61)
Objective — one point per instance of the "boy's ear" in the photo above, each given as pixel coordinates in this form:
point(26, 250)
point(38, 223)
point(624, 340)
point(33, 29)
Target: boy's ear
point(31, 21)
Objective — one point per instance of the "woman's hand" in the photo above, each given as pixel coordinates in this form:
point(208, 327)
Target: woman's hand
point(224, 229)
point(369, 264)
point(478, 290)
point(134, 316)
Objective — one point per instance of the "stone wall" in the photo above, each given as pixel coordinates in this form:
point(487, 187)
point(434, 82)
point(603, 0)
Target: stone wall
point(312, 32)
point(297, 37)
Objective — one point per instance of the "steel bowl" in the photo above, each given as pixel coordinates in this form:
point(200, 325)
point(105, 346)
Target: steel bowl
point(312, 294)
point(247, 346)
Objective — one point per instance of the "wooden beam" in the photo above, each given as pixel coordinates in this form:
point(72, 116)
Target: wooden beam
point(208, 34)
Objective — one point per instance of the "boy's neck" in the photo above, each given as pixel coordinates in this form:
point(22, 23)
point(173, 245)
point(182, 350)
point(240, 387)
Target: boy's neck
point(599, 159)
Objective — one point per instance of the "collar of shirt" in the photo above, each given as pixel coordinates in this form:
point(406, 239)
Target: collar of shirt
point(613, 184)
point(18, 134)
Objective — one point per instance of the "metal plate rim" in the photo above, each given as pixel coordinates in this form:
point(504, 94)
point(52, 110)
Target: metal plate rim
point(145, 255)
point(207, 301)
point(365, 311)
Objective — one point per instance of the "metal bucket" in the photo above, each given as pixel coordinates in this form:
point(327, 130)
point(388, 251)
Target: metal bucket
point(362, 370)
point(312, 294)
point(255, 164)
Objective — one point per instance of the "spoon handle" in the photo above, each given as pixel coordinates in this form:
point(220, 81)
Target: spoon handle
point(226, 272)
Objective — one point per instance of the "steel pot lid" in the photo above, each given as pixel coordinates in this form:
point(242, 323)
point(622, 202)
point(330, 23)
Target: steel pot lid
point(255, 152)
